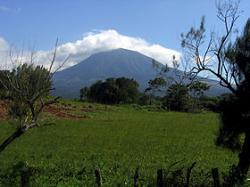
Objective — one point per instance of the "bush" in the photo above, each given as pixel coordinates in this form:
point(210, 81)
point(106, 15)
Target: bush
point(210, 103)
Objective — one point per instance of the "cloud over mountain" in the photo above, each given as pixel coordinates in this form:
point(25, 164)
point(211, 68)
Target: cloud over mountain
point(3, 45)
point(101, 41)
point(4, 50)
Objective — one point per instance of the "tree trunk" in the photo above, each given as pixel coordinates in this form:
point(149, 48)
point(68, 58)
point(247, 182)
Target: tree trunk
point(11, 138)
point(244, 157)
point(239, 173)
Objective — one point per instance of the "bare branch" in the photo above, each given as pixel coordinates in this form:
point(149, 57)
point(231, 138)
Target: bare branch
point(194, 42)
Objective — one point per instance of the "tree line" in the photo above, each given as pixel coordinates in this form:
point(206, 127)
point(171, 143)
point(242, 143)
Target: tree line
point(178, 97)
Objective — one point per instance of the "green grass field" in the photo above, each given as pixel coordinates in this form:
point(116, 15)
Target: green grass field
point(116, 139)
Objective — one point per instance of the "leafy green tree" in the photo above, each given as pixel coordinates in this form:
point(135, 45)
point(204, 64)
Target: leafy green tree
point(177, 98)
point(104, 92)
point(128, 90)
point(114, 91)
point(197, 89)
point(230, 63)
point(185, 97)
point(144, 99)
point(84, 93)
point(155, 86)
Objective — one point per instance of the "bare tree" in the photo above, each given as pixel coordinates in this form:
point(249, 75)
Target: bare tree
point(178, 74)
point(27, 87)
point(208, 53)
point(230, 64)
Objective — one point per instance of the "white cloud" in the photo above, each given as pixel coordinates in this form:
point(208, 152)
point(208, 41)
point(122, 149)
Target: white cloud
point(4, 46)
point(4, 50)
point(100, 41)
point(94, 42)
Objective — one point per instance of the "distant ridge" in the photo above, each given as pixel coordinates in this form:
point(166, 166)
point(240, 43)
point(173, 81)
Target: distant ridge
point(114, 63)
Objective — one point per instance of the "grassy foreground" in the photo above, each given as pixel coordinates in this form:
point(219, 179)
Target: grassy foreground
point(117, 140)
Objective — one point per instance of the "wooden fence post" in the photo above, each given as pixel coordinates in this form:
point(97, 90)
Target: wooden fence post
point(136, 178)
point(98, 177)
point(189, 174)
point(160, 178)
point(216, 178)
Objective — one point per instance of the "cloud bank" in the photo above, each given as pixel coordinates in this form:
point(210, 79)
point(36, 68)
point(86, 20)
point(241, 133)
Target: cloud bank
point(4, 50)
point(100, 41)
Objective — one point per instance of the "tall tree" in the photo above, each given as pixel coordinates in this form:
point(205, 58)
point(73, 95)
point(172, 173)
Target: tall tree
point(230, 63)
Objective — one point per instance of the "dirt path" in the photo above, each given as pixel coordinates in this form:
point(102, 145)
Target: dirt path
point(57, 110)
point(3, 110)
point(63, 112)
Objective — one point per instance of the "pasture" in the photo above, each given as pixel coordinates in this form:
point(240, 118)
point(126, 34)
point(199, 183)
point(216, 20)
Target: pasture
point(81, 137)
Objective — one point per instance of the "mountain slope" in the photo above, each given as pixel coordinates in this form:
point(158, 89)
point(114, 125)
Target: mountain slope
point(115, 63)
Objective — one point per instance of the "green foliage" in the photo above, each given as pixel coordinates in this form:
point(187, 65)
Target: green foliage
point(27, 81)
point(194, 34)
point(178, 98)
point(84, 93)
point(196, 91)
point(232, 68)
point(26, 87)
point(210, 103)
point(238, 57)
point(229, 132)
point(3, 78)
point(183, 90)
point(144, 99)
point(117, 140)
point(198, 88)
point(156, 85)
point(113, 91)
point(235, 109)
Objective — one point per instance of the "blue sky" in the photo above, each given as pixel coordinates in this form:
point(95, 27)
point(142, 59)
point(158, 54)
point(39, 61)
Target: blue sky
point(152, 27)
point(157, 21)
